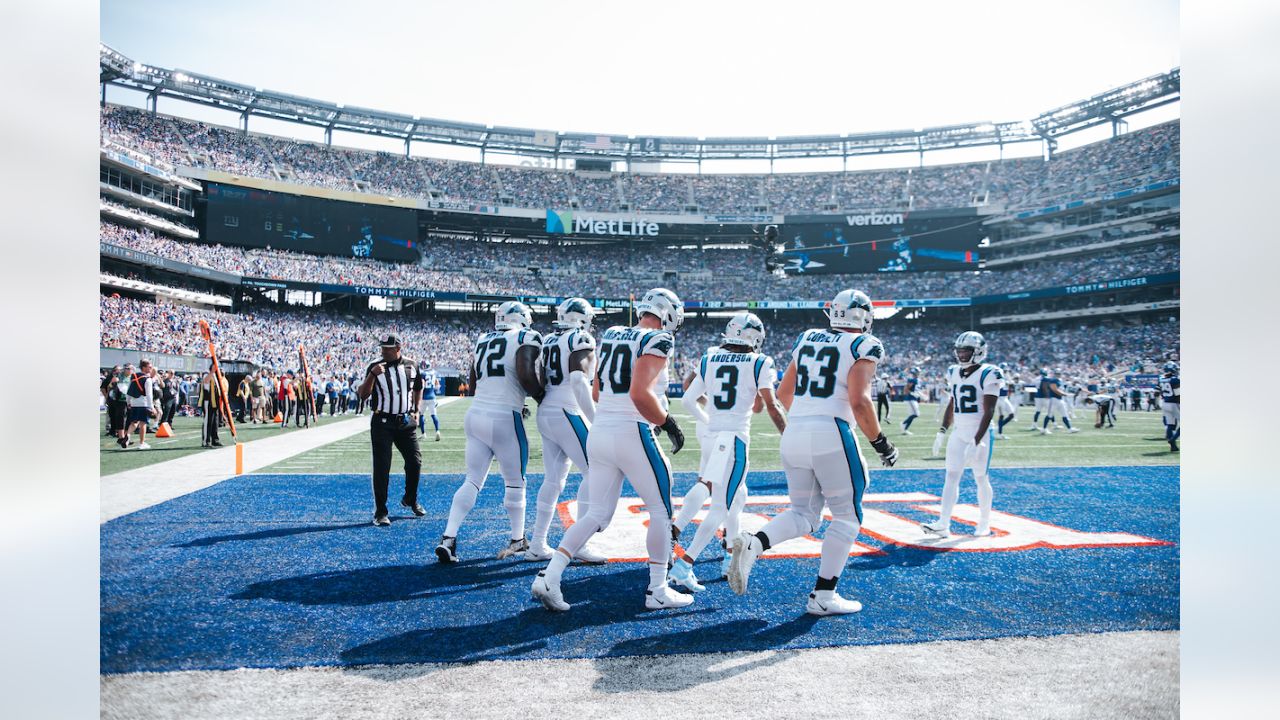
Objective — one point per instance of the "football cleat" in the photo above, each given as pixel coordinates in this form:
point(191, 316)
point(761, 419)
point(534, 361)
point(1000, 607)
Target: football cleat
point(548, 593)
point(981, 531)
point(746, 548)
point(381, 520)
point(587, 556)
point(665, 597)
point(414, 506)
point(682, 574)
point(1046, 431)
point(538, 551)
point(938, 528)
point(829, 602)
point(447, 550)
point(907, 432)
point(515, 547)
point(1074, 430)
point(437, 436)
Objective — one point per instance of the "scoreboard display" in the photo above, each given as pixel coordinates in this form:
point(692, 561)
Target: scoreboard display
point(250, 217)
point(882, 242)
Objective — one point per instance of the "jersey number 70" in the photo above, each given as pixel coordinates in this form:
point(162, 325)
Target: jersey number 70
point(615, 366)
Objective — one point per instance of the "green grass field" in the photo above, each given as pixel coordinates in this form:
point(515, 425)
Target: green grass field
point(1137, 439)
point(185, 441)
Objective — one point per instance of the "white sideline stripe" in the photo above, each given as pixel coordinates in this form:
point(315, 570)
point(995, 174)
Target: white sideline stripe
point(1098, 676)
point(133, 490)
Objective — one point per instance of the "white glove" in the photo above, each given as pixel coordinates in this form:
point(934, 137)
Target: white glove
point(938, 441)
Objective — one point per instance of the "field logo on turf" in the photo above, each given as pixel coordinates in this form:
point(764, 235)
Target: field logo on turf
point(625, 536)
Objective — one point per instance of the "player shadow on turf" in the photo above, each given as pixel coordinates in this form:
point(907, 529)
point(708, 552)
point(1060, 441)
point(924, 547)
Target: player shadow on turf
point(266, 534)
point(621, 671)
point(608, 600)
point(364, 586)
point(894, 556)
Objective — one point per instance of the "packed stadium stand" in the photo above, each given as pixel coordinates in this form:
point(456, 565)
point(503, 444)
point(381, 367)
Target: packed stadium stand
point(1078, 272)
point(1134, 159)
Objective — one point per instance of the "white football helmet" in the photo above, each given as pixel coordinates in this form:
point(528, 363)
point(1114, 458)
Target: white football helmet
point(664, 305)
point(745, 329)
point(851, 310)
point(511, 315)
point(974, 341)
point(574, 313)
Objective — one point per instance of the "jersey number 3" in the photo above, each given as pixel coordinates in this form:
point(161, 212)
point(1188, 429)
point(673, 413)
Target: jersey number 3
point(728, 395)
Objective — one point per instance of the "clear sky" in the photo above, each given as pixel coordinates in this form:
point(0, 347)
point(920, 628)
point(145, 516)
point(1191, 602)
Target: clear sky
point(666, 68)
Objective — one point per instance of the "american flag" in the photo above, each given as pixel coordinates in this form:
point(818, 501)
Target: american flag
point(601, 142)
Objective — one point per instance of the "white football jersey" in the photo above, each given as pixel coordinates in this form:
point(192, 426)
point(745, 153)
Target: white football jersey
point(823, 360)
point(619, 348)
point(557, 347)
point(497, 385)
point(967, 392)
point(732, 380)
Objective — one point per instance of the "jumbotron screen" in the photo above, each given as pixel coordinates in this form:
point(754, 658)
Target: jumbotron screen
point(882, 242)
point(261, 218)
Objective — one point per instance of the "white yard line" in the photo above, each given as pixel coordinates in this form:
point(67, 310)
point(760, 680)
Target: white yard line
point(132, 490)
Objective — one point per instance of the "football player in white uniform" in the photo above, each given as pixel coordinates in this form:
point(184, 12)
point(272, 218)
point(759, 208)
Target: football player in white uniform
point(428, 405)
point(737, 381)
point(975, 389)
point(827, 390)
point(700, 493)
point(504, 373)
point(630, 388)
point(564, 419)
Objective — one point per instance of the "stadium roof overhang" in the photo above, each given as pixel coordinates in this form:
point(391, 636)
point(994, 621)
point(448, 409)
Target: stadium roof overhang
point(118, 70)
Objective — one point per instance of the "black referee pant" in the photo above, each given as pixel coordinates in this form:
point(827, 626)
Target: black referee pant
point(209, 424)
point(882, 403)
point(401, 432)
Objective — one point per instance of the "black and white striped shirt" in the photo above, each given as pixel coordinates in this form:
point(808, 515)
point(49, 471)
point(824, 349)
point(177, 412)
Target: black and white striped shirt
point(393, 389)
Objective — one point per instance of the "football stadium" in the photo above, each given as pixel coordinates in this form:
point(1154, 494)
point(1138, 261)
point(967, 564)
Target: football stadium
point(259, 284)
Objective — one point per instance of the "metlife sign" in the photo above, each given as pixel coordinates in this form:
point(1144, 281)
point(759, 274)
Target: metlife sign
point(563, 222)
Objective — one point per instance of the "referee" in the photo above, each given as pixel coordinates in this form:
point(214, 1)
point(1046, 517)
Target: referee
point(394, 388)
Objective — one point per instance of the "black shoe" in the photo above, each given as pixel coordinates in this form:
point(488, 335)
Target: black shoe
point(381, 520)
point(217, 443)
point(414, 506)
point(204, 445)
point(1173, 446)
point(447, 550)
point(122, 443)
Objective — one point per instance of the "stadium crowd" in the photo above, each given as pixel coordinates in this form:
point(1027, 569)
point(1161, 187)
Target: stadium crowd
point(1129, 160)
point(340, 345)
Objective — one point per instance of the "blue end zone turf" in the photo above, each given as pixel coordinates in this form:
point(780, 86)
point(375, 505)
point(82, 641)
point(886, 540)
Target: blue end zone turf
point(286, 570)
